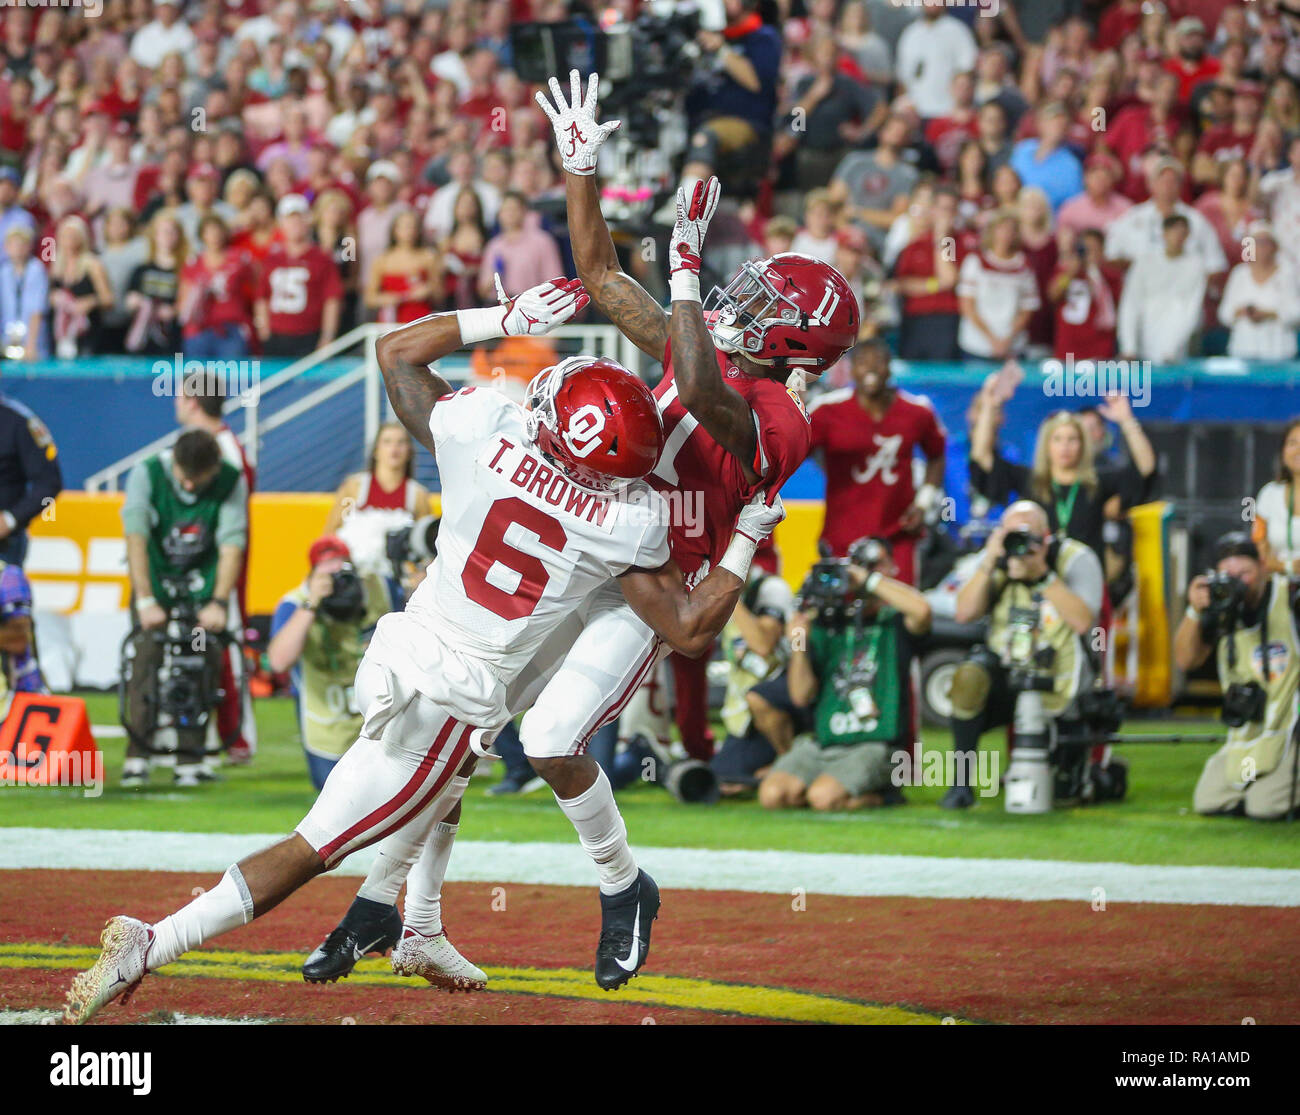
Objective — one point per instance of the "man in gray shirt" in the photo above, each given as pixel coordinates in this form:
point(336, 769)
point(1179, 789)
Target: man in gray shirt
point(874, 185)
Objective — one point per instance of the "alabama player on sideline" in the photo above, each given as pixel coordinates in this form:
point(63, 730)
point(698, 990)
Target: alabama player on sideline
point(540, 509)
point(732, 429)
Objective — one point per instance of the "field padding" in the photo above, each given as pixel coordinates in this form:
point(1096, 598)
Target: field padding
point(766, 872)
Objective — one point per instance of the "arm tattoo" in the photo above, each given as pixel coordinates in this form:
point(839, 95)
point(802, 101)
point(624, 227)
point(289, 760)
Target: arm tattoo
point(723, 413)
point(637, 315)
point(413, 390)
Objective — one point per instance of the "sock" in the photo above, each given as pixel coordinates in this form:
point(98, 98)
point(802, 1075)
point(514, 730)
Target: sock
point(398, 852)
point(423, 911)
point(603, 834)
point(226, 906)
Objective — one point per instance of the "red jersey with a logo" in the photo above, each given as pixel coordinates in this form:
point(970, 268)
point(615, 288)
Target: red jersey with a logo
point(869, 463)
point(222, 296)
point(1226, 143)
point(296, 288)
point(916, 261)
point(1086, 321)
point(710, 478)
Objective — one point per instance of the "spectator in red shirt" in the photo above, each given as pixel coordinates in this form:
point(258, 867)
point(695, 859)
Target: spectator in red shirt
point(1117, 22)
point(256, 229)
point(405, 282)
point(216, 297)
point(866, 437)
point(926, 275)
point(1084, 293)
point(947, 134)
point(300, 293)
point(16, 118)
point(1191, 65)
point(1137, 128)
point(1232, 140)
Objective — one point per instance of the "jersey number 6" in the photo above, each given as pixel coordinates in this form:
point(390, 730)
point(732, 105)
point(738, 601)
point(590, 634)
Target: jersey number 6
point(491, 548)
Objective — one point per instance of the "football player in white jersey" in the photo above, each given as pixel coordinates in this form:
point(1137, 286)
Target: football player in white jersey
point(540, 509)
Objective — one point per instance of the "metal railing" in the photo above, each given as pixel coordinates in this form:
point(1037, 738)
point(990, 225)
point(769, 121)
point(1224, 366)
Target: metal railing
point(260, 420)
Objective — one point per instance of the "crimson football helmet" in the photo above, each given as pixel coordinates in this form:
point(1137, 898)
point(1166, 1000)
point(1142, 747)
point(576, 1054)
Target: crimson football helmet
point(789, 311)
point(596, 419)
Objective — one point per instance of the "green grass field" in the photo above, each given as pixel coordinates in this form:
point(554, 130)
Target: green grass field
point(1154, 825)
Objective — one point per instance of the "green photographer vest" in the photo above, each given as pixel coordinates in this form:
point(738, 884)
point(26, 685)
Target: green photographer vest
point(1255, 748)
point(862, 693)
point(171, 512)
point(1022, 620)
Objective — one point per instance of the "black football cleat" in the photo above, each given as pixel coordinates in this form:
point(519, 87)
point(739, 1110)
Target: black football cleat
point(367, 927)
point(625, 931)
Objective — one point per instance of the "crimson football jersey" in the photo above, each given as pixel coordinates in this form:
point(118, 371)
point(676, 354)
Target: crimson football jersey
point(1086, 321)
point(220, 297)
point(869, 464)
point(297, 287)
point(709, 477)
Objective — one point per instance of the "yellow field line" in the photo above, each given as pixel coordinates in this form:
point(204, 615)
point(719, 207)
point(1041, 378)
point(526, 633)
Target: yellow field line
point(677, 992)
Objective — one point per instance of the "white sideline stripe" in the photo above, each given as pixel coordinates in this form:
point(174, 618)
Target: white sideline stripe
point(767, 872)
point(51, 1018)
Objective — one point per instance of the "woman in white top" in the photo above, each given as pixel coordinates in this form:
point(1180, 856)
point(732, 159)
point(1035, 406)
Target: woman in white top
point(997, 292)
point(383, 498)
point(1277, 510)
point(1261, 303)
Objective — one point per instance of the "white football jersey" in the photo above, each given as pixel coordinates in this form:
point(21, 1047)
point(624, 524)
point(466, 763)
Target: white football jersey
point(521, 545)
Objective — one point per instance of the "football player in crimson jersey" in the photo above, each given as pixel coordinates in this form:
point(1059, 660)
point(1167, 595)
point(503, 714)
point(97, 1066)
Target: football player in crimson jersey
point(542, 510)
point(733, 428)
point(867, 437)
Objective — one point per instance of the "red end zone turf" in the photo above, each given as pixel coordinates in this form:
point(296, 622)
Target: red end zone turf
point(716, 956)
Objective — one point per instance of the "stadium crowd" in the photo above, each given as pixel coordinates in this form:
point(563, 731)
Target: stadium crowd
point(1030, 177)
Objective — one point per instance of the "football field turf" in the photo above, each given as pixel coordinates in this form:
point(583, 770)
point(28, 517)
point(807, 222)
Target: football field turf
point(909, 914)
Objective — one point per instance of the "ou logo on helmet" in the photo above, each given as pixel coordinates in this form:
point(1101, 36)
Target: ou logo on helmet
point(586, 424)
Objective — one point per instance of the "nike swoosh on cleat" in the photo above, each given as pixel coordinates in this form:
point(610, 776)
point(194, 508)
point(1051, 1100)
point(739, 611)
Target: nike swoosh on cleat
point(629, 965)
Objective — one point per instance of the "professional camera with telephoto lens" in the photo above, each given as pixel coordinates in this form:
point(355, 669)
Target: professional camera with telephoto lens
point(170, 680)
point(416, 544)
point(1244, 704)
point(1020, 541)
point(827, 592)
point(346, 602)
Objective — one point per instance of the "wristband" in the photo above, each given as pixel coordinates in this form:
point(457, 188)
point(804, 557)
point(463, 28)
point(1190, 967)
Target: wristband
point(873, 581)
point(145, 602)
point(932, 285)
point(1192, 614)
point(684, 286)
point(483, 324)
point(740, 552)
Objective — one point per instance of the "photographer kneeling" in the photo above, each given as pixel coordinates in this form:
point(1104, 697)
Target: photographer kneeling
point(320, 631)
point(1042, 595)
point(851, 650)
point(186, 524)
point(1248, 619)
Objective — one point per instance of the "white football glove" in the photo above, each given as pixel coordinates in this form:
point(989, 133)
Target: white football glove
point(577, 134)
point(757, 519)
point(541, 308)
point(694, 212)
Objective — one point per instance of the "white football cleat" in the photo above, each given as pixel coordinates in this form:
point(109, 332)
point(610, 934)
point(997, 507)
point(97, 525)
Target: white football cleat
point(437, 960)
point(117, 972)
